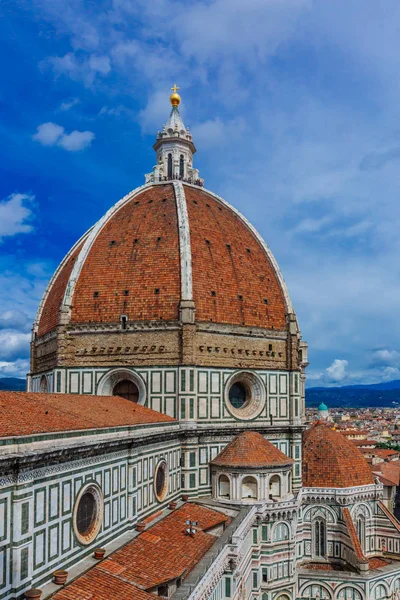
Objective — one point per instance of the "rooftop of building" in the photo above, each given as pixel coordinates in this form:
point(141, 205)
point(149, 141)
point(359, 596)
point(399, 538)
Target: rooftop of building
point(251, 450)
point(27, 413)
point(330, 460)
point(161, 554)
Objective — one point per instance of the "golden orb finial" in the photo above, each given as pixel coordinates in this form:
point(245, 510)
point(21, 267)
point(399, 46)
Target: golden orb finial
point(174, 97)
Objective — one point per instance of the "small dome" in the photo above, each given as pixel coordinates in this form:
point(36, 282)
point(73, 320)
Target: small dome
point(332, 461)
point(251, 450)
point(322, 407)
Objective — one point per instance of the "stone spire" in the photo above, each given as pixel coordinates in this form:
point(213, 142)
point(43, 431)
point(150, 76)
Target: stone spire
point(174, 149)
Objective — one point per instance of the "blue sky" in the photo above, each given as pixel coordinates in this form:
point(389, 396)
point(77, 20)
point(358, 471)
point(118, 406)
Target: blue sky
point(294, 107)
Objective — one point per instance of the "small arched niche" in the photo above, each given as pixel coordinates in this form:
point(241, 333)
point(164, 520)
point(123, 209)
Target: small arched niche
point(224, 487)
point(275, 487)
point(249, 488)
point(44, 385)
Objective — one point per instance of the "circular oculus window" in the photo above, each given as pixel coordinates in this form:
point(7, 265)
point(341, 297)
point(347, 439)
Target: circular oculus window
point(88, 513)
point(161, 481)
point(245, 395)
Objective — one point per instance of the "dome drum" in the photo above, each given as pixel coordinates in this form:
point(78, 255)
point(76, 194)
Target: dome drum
point(272, 484)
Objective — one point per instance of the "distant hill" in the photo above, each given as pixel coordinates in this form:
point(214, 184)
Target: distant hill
point(356, 396)
point(12, 383)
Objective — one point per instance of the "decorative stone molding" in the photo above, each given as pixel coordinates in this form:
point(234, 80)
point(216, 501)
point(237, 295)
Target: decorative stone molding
point(88, 536)
point(256, 392)
point(107, 383)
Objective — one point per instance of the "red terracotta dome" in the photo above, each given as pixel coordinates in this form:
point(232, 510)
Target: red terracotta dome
point(332, 461)
point(251, 450)
point(162, 244)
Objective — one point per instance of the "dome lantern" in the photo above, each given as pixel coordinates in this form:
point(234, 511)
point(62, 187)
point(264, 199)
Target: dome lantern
point(174, 149)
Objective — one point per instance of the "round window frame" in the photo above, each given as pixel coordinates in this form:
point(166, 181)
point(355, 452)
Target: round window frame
point(161, 497)
point(94, 489)
point(256, 391)
point(106, 385)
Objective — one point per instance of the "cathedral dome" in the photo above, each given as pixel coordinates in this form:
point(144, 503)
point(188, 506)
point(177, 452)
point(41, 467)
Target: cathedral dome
point(161, 245)
point(332, 461)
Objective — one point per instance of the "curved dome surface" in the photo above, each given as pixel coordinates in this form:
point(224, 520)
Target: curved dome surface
point(250, 449)
point(332, 461)
point(160, 245)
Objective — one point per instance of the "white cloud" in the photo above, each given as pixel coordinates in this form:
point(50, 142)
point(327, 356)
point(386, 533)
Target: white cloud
point(48, 134)
point(337, 372)
point(76, 140)
point(14, 344)
point(68, 104)
point(16, 368)
point(387, 357)
point(390, 373)
point(51, 134)
point(16, 215)
point(15, 319)
point(78, 67)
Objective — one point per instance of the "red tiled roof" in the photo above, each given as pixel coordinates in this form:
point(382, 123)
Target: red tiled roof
point(137, 250)
point(388, 473)
point(353, 535)
point(331, 460)
point(227, 259)
point(134, 267)
point(251, 449)
point(385, 453)
point(160, 554)
point(364, 443)
point(49, 316)
point(97, 584)
point(376, 562)
point(25, 413)
point(389, 515)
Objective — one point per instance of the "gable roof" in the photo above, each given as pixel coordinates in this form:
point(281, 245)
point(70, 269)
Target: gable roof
point(160, 554)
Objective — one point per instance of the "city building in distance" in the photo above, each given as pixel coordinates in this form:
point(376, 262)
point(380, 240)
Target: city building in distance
point(161, 449)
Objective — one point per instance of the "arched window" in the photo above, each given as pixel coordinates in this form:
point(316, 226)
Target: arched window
point(181, 166)
point(275, 487)
point(316, 591)
point(249, 488)
point(361, 530)
point(380, 592)
point(43, 386)
point(281, 532)
point(169, 166)
point(290, 482)
point(126, 389)
point(224, 487)
point(319, 538)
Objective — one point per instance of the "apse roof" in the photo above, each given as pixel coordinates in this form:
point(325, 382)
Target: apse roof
point(330, 460)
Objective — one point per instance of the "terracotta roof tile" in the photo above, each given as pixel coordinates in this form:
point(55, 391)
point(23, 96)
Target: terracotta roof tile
point(251, 449)
point(137, 251)
point(133, 267)
point(228, 260)
point(160, 554)
point(25, 413)
point(353, 535)
point(331, 460)
point(97, 584)
point(50, 312)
